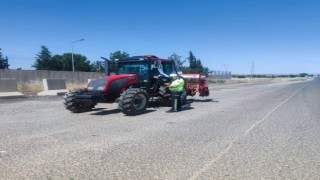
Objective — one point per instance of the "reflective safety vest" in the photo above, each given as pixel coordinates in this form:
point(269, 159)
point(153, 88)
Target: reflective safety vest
point(180, 83)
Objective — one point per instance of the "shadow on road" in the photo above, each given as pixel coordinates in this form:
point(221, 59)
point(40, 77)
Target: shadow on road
point(156, 104)
point(187, 108)
point(145, 112)
point(98, 109)
point(201, 100)
point(103, 111)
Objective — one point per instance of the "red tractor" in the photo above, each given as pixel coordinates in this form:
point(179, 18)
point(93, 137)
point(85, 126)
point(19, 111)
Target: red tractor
point(132, 87)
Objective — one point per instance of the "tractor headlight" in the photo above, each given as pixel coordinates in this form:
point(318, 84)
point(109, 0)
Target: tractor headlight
point(101, 88)
point(97, 84)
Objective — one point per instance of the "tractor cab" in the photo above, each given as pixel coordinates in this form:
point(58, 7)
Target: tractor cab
point(146, 67)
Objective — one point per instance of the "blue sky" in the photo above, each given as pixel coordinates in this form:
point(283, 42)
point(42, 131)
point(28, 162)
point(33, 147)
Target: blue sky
point(278, 36)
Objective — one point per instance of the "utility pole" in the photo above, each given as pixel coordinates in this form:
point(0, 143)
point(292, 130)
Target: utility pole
point(72, 52)
point(227, 66)
point(252, 70)
point(226, 74)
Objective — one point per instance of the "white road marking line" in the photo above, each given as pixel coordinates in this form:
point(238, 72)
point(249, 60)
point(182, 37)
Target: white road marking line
point(197, 174)
point(272, 111)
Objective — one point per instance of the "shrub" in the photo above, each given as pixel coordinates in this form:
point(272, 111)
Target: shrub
point(241, 76)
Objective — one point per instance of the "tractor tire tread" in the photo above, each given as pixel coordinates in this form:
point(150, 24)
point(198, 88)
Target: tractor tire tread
point(125, 101)
point(73, 106)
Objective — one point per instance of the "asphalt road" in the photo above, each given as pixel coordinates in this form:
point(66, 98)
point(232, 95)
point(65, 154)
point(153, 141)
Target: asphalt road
point(241, 131)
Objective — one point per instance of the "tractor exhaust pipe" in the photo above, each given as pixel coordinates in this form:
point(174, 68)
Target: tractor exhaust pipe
point(106, 66)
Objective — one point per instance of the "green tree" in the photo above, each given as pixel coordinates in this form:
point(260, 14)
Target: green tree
point(64, 62)
point(57, 63)
point(82, 63)
point(43, 59)
point(192, 60)
point(199, 65)
point(206, 71)
point(116, 55)
point(177, 60)
point(195, 65)
point(3, 61)
point(98, 66)
point(303, 74)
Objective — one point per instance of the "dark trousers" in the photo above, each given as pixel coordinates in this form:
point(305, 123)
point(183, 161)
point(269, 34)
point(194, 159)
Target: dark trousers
point(175, 100)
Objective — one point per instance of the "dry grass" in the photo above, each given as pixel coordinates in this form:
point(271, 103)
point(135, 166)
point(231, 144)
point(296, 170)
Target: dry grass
point(30, 87)
point(37, 86)
point(71, 86)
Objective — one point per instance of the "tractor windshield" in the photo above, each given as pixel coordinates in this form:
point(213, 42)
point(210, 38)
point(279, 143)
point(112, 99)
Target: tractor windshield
point(135, 67)
point(165, 67)
point(168, 68)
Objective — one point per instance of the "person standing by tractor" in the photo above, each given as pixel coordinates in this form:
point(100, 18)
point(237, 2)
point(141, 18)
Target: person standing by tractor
point(176, 87)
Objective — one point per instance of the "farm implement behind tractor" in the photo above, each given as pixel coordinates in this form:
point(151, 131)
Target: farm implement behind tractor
point(196, 83)
point(134, 85)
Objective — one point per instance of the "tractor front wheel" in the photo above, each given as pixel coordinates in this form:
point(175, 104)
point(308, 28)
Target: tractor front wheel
point(76, 107)
point(133, 101)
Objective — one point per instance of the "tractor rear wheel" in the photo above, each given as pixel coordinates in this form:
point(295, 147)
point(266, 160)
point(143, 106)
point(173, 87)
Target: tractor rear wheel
point(133, 101)
point(76, 107)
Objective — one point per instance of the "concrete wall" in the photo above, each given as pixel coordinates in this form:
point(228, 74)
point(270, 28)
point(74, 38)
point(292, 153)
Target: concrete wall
point(8, 85)
point(54, 84)
point(76, 77)
point(38, 75)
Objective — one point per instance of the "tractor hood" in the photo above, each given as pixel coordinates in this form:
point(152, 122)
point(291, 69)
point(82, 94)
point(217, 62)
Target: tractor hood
point(113, 84)
point(98, 84)
point(121, 76)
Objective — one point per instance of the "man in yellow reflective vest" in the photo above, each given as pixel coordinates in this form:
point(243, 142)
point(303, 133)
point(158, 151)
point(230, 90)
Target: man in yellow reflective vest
point(176, 87)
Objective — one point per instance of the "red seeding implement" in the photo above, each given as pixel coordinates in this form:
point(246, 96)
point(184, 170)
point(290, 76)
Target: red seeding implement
point(196, 83)
point(134, 85)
